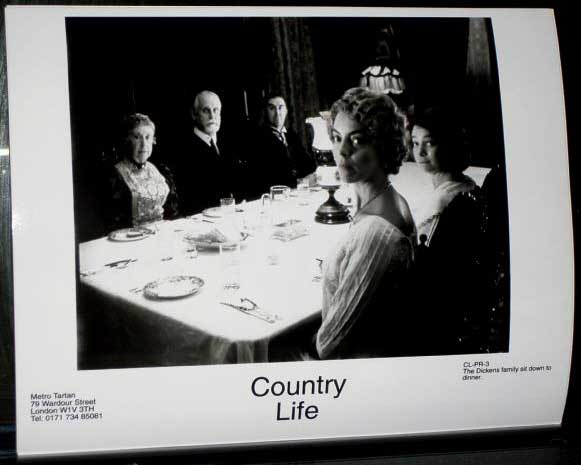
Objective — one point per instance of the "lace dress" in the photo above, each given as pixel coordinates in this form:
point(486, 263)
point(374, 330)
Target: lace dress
point(139, 195)
point(364, 281)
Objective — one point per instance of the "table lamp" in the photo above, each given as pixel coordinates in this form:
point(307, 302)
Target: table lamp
point(332, 211)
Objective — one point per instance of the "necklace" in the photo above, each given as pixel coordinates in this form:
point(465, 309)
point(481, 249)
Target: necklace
point(387, 186)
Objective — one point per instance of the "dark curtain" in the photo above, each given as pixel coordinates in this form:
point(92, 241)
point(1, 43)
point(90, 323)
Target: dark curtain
point(293, 72)
point(485, 124)
point(478, 63)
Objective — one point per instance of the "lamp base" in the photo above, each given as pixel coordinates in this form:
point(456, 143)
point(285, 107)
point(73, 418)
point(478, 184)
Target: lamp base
point(332, 211)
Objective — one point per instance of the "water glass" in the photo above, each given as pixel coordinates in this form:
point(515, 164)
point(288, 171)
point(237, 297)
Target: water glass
point(272, 247)
point(279, 193)
point(227, 206)
point(172, 246)
point(278, 204)
point(230, 263)
point(303, 191)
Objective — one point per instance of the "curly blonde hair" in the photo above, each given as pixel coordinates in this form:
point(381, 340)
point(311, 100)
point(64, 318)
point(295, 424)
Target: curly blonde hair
point(381, 119)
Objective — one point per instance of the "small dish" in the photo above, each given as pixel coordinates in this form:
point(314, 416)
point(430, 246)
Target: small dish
point(130, 234)
point(173, 287)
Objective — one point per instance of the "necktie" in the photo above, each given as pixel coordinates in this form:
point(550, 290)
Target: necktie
point(279, 135)
point(214, 147)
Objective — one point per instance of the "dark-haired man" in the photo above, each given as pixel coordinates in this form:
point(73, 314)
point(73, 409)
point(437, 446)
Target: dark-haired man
point(282, 158)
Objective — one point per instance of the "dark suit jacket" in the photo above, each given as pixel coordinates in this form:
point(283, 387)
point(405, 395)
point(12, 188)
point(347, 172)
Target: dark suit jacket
point(202, 177)
point(274, 163)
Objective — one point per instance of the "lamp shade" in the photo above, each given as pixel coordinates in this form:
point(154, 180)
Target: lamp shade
point(381, 78)
point(321, 139)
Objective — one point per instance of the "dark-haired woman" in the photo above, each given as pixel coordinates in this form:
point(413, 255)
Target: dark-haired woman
point(448, 267)
point(138, 191)
point(363, 278)
point(437, 147)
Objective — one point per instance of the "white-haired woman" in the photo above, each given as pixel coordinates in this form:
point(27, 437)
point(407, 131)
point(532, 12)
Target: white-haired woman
point(138, 191)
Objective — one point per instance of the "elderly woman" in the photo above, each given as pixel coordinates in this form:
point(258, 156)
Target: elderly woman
point(138, 192)
point(450, 229)
point(363, 278)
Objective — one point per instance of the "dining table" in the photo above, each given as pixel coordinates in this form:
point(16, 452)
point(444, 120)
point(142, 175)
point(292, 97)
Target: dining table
point(278, 291)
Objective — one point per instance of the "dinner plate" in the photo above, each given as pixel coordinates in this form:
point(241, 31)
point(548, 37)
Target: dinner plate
point(216, 212)
point(213, 212)
point(130, 234)
point(173, 287)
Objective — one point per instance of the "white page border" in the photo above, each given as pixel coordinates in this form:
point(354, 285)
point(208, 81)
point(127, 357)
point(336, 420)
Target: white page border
point(385, 397)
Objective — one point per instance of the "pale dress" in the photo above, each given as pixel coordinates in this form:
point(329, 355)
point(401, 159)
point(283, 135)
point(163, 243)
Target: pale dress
point(364, 280)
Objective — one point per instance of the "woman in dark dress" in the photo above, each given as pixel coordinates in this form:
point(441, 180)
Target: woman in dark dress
point(448, 268)
point(139, 192)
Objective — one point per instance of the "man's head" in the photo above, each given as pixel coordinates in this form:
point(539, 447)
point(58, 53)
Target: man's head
point(206, 111)
point(276, 111)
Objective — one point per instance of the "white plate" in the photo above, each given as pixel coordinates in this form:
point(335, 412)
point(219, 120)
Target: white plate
point(173, 287)
point(130, 234)
point(213, 212)
point(216, 212)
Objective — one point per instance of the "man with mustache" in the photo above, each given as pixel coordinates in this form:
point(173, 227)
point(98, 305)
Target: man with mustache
point(207, 168)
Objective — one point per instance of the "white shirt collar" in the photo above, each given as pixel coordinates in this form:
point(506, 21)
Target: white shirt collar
point(205, 137)
point(282, 130)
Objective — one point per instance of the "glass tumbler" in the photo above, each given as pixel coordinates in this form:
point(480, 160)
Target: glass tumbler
point(230, 263)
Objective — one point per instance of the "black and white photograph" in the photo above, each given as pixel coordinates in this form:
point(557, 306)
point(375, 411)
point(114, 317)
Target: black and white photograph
point(308, 224)
point(275, 189)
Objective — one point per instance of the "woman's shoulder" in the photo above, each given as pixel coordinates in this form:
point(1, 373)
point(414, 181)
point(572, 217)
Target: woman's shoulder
point(375, 230)
point(114, 175)
point(408, 227)
point(469, 197)
point(115, 168)
point(456, 186)
point(465, 211)
point(373, 224)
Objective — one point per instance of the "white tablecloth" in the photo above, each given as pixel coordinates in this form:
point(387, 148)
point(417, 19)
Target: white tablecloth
point(198, 329)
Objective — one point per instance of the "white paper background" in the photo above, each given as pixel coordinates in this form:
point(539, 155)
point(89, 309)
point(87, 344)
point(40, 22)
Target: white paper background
point(204, 405)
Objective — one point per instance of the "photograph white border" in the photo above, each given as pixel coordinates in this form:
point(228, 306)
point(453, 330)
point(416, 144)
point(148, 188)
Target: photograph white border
point(200, 406)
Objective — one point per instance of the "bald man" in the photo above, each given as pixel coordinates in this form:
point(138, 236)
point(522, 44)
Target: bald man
point(207, 169)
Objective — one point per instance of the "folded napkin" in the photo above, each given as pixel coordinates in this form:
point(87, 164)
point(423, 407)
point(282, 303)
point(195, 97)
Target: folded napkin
point(214, 233)
point(291, 232)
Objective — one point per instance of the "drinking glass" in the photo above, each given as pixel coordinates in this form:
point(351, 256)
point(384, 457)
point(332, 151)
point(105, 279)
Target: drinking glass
point(279, 193)
point(272, 247)
point(173, 246)
point(277, 202)
point(303, 191)
point(230, 265)
point(227, 206)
